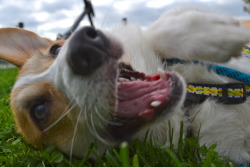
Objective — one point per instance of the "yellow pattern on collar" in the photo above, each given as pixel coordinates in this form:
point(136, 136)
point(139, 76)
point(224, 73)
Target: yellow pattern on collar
point(213, 91)
point(246, 51)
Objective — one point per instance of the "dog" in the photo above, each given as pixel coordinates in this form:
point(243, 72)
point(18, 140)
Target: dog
point(111, 86)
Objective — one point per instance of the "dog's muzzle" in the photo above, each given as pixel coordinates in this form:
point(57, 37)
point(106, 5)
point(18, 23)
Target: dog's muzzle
point(87, 50)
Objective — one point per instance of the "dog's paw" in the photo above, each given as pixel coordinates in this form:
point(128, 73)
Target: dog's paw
point(196, 34)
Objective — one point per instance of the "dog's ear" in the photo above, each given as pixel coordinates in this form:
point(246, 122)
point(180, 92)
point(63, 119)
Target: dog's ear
point(17, 45)
point(246, 24)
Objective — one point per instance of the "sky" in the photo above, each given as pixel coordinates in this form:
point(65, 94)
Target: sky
point(50, 17)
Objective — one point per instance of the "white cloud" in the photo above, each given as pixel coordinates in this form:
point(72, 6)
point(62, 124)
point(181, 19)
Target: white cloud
point(102, 2)
point(67, 22)
point(125, 5)
point(37, 5)
point(73, 13)
point(122, 6)
point(14, 3)
point(48, 35)
point(159, 3)
point(218, 1)
point(50, 1)
point(41, 16)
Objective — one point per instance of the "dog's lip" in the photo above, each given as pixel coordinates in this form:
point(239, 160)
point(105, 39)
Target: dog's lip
point(136, 109)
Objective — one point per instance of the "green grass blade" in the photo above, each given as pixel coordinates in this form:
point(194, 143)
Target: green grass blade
point(124, 152)
point(136, 161)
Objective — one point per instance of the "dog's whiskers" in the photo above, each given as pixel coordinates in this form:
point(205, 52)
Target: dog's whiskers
point(103, 119)
point(95, 132)
point(66, 112)
point(74, 135)
point(92, 126)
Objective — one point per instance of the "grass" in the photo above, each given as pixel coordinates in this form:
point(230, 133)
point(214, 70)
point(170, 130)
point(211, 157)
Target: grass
point(15, 152)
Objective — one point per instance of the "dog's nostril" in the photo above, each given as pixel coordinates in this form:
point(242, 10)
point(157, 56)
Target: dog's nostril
point(91, 33)
point(87, 51)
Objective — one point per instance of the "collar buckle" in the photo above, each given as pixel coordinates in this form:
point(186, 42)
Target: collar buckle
point(233, 93)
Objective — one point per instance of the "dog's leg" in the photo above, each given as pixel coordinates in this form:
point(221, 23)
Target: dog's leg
point(195, 34)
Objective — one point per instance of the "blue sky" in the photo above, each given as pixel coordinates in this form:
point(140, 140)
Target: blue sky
point(49, 17)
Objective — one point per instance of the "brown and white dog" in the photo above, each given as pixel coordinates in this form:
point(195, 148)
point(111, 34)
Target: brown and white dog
point(106, 88)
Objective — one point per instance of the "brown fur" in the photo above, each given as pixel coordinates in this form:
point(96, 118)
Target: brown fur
point(30, 53)
point(22, 100)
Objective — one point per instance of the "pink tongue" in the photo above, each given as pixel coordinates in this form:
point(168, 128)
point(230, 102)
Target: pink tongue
point(135, 97)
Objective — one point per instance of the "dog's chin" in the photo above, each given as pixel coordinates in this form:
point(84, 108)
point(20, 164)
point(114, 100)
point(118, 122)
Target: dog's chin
point(143, 99)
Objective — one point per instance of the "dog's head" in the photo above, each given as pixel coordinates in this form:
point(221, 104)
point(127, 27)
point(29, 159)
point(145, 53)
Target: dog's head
point(75, 92)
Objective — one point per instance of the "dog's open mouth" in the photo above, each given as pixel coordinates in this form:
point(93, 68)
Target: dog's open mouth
point(143, 98)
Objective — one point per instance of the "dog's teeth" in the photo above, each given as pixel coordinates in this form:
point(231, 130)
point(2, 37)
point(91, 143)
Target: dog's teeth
point(123, 80)
point(133, 79)
point(155, 103)
point(162, 74)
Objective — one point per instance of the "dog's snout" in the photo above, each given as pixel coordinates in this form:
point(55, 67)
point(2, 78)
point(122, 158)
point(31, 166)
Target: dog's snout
point(87, 50)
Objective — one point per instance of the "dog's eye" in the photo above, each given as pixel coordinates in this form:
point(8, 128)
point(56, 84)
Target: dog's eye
point(39, 113)
point(54, 50)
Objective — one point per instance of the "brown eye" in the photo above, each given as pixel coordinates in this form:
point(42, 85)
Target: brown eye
point(40, 113)
point(54, 50)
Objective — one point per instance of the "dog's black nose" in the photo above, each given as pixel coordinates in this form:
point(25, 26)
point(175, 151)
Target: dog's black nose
point(87, 50)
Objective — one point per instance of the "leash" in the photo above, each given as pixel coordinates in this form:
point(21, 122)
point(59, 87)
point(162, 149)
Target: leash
point(89, 11)
point(229, 93)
